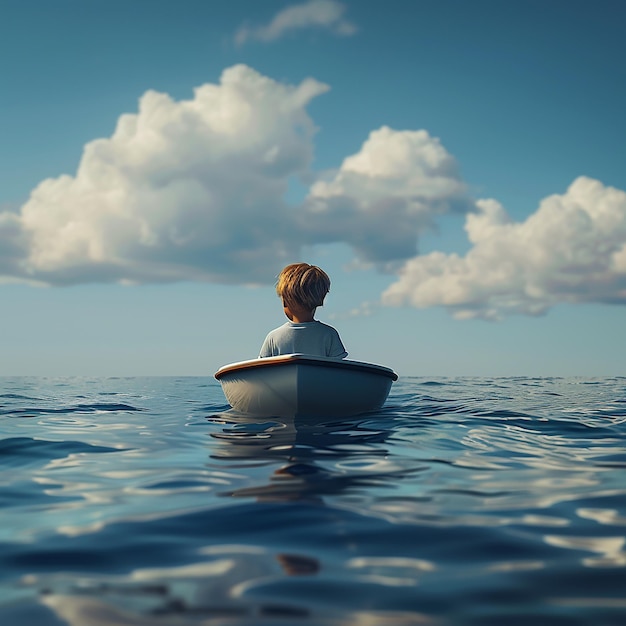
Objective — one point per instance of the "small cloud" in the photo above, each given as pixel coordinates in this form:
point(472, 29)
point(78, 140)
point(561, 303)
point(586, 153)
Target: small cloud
point(319, 14)
point(571, 250)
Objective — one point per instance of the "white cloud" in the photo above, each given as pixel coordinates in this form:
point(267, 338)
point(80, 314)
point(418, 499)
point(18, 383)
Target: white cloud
point(195, 190)
point(321, 14)
point(381, 198)
point(572, 249)
point(181, 191)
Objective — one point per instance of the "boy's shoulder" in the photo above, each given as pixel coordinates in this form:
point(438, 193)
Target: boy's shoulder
point(321, 328)
point(323, 324)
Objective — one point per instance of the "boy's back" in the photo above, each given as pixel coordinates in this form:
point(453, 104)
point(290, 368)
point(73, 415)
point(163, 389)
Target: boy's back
point(314, 338)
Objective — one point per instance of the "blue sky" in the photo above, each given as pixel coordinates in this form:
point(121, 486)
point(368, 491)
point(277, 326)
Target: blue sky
point(458, 168)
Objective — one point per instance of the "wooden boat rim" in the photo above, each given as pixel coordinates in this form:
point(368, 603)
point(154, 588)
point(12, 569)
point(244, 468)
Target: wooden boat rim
point(305, 359)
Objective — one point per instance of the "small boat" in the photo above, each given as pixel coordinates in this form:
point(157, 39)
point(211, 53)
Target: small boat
point(294, 385)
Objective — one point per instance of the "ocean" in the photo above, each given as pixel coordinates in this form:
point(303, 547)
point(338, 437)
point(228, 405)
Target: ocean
point(464, 501)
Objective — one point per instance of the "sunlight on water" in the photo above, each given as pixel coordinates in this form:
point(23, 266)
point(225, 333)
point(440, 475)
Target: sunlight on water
point(462, 501)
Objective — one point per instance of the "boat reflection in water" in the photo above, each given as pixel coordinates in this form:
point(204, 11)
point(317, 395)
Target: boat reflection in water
point(305, 487)
point(314, 458)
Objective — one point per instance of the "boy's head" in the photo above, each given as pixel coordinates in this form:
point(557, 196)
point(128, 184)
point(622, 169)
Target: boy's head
point(303, 286)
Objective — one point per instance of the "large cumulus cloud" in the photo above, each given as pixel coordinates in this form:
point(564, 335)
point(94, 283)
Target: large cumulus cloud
point(181, 190)
point(572, 249)
point(195, 190)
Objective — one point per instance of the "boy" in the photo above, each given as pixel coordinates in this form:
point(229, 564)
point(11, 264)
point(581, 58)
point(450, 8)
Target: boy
point(302, 288)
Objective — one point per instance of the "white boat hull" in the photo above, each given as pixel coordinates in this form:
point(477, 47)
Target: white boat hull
point(300, 385)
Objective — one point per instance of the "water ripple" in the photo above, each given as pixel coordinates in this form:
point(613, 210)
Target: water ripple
point(463, 502)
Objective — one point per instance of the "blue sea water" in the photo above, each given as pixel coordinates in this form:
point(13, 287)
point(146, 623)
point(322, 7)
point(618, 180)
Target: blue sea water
point(464, 501)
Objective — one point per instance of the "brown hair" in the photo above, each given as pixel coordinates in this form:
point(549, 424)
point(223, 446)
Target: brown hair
point(303, 284)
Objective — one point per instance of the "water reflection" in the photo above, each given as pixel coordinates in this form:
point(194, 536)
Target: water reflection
point(310, 459)
point(609, 549)
point(90, 611)
point(469, 502)
point(291, 471)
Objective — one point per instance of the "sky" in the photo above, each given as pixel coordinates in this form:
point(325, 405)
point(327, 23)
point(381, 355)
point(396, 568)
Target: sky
point(457, 168)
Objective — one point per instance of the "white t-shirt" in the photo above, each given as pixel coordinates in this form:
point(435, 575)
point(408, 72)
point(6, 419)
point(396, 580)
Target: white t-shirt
point(313, 338)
